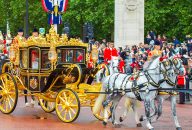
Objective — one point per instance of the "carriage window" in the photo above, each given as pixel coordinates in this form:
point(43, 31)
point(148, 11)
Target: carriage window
point(23, 59)
point(71, 56)
point(79, 56)
point(34, 58)
point(45, 63)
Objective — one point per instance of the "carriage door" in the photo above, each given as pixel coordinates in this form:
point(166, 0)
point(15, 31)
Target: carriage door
point(34, 69)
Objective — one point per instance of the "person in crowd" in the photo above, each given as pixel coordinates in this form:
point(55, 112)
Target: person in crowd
point(189, 43)
point(148, 39)
point(127, 48)
point(182, 96)
point(176, 41)
point(122, 64)
point(128, 61)
point(164, 39)
point(157, 50)
point(101, 53)
point(152, 34)
point(104, 41)
point(134, 65)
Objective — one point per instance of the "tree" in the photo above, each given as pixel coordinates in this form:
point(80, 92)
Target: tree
point(171, 17)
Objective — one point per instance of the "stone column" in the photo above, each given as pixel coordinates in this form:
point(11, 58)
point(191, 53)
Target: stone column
point(129, 22)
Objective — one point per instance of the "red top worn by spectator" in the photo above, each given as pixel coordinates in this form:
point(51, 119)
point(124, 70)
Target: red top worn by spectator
point(121, 66)
point(135, 65)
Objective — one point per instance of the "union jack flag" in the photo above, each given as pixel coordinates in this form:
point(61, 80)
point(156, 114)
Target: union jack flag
point(55, 8)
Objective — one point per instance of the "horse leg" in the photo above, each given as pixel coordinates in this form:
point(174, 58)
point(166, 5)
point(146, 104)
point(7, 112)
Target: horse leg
point(173, 108)
point(153, 108)
point(128, 104)
point(116, 100)
point(106, 108)
point(134, 107)
point(160, 100)
point(147, 113)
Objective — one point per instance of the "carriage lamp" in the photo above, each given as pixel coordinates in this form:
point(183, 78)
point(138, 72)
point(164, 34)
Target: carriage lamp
point(12, 54)
point(52, 55)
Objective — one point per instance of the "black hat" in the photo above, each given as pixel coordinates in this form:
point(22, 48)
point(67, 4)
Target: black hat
point(35, 30)
point(20, 30)
point(157, 42)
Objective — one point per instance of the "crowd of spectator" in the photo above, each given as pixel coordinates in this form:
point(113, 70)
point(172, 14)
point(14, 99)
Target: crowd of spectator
point(134, 57)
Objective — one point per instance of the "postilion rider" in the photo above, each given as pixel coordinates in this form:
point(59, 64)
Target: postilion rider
point(16, 40)
point(110, 52)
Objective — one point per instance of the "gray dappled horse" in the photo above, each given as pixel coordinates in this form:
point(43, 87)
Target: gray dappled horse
point(169, 82)
point(117, 85)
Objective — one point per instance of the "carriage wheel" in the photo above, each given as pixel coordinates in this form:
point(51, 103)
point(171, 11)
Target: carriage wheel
point(100, 115)
point(8, 93)
point(67, 105)
point(46, 105)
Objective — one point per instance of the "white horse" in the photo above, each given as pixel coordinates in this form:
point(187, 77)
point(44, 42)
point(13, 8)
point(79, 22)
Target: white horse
point(169, 83)
point(108, 69)
point(178, 69)
point(116, 85)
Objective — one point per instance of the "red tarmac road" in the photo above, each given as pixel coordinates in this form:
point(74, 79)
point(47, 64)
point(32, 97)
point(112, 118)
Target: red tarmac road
point(27, 118)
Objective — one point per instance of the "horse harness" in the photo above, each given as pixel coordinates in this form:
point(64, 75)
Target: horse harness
point(135, 88)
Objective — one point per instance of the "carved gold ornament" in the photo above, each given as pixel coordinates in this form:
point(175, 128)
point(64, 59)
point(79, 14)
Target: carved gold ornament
point(51, 39)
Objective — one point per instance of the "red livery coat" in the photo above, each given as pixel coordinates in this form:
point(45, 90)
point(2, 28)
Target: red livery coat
point(109, 52)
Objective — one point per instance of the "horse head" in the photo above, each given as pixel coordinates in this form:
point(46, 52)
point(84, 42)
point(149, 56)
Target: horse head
point(114, 65)
point(178, 66)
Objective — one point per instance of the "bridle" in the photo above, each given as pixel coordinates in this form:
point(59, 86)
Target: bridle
point(164, 72)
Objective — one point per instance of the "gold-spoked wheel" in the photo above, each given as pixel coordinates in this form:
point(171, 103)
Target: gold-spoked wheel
point(48, 106)
point(8, 93)
point(67, 105)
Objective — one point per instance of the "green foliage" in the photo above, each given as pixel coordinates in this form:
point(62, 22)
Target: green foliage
point(99, 12)
point(170, 17)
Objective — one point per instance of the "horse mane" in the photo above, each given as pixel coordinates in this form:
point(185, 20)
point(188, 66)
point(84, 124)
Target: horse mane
point(151, 60)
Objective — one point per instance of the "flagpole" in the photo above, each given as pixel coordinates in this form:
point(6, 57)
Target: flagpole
point(55, 25)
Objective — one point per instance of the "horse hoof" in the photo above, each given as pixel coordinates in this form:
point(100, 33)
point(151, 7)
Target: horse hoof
point(121, 119)
point(141, 119)
point(139, 125)
point(104, 123)
point(178, 128)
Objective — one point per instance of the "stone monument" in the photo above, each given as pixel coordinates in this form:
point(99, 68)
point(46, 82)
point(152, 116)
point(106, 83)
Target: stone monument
point(129, 22)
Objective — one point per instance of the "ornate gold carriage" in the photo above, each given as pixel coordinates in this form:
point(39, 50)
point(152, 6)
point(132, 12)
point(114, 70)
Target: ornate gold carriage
point(54, 69)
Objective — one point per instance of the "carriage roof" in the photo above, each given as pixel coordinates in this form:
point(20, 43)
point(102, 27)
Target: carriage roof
point(52, 39)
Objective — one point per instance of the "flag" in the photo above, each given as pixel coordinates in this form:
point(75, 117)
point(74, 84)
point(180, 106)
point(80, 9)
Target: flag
point(55, 8)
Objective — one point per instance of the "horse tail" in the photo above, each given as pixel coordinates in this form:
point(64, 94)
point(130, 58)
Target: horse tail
point(98, 103)
point(128, 103)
